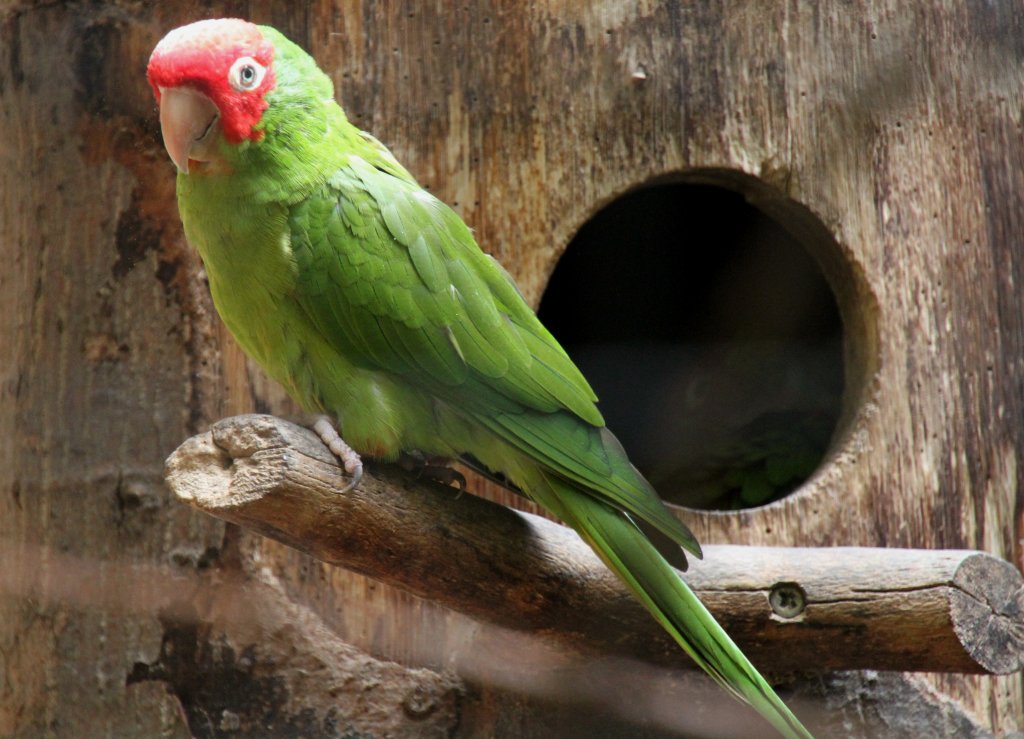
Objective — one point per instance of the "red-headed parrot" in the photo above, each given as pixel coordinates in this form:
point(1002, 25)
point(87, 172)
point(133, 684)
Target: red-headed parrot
point(369, 300)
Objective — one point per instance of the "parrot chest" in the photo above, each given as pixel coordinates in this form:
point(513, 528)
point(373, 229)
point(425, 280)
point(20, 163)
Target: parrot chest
point(250, 271)
point(253, 276)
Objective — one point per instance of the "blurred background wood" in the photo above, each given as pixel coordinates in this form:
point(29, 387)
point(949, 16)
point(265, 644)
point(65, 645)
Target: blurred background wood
point(897, 125)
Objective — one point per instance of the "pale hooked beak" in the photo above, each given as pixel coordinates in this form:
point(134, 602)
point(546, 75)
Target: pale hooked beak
point(187, 119)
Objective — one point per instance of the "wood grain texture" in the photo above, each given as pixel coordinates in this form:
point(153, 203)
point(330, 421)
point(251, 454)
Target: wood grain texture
point(896, 125)
point(858, 608)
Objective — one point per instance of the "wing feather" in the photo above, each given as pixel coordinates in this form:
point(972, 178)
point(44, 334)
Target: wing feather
point(409, 291)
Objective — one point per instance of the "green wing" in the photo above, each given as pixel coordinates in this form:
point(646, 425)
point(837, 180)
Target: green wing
point(393, 278)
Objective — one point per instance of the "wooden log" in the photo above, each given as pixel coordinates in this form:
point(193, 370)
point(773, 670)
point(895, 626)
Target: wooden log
point(792, 609)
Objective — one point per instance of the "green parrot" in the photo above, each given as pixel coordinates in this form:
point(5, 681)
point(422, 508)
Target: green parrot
point(368, 299)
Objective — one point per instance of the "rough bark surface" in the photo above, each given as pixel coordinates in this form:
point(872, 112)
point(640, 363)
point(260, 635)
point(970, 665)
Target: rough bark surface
point(897, 125)
point(798, 609)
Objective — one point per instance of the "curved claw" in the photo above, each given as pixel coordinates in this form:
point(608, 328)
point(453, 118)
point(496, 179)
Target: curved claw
point(357, 475)
point(458, 478)
point(431, 468)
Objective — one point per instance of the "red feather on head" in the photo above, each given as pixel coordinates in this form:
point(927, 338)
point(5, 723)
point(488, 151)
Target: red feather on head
point(200, 55)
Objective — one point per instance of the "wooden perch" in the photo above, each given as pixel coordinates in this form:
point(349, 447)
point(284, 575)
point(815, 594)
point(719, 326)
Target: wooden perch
point(791, 609)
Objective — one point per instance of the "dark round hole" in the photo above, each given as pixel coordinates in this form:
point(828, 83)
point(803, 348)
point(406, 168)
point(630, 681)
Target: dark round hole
point(711, 337)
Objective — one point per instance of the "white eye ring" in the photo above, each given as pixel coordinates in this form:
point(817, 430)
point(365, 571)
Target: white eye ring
point(246, 74)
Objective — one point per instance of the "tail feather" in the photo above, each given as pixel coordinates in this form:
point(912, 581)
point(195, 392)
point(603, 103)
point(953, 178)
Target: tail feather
point(628, 553)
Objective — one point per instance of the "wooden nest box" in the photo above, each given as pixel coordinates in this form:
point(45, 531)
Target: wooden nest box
point(784, 240)
point(784, 246)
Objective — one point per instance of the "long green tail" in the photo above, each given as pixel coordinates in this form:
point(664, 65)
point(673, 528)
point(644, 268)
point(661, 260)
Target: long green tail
point(629, 554)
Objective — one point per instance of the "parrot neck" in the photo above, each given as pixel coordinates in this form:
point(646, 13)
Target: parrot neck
point(247, 256)
point(294, 156)
point(235, 215)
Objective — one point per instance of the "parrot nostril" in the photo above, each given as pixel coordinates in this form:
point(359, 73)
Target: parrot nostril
point(685, 286)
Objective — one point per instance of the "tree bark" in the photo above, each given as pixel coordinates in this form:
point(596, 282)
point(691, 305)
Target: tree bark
point(889, 132)
point(114, 615)
point(792, 610)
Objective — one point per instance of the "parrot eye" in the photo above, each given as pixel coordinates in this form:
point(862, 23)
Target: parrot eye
point(246, 74)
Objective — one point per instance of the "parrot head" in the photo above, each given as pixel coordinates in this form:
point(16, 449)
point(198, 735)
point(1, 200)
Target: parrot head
point(228, 89)
point(211, 79)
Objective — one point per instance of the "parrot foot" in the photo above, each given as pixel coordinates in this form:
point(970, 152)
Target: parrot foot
point(346, 455)
point(432, 468)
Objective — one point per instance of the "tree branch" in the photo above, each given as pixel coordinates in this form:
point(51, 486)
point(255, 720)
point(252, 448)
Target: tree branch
point(791, 609)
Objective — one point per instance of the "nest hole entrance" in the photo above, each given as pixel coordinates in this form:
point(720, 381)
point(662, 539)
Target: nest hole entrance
point(710, 334)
